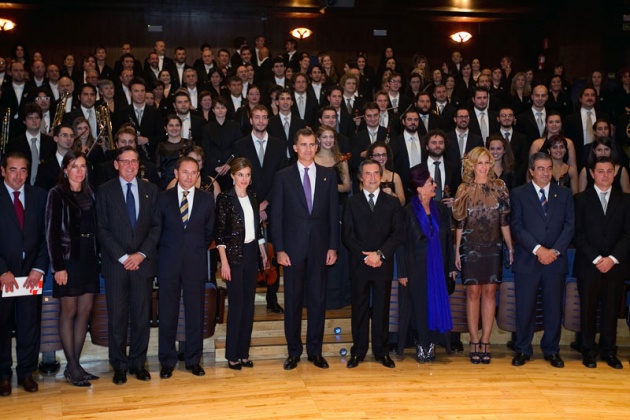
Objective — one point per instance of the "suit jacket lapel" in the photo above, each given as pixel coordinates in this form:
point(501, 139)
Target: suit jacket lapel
point(552, 200)
point(7, 201)
point(237, 204)
point(299, 187)
point(535, 199)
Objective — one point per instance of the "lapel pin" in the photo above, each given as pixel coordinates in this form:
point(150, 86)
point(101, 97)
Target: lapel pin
point(325, 179)
point(146, 196)
point(555, 195)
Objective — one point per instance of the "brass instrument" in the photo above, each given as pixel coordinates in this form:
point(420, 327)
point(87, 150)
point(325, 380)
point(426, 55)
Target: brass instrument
point(104, 125)
point(61, 109)
point(4, 136)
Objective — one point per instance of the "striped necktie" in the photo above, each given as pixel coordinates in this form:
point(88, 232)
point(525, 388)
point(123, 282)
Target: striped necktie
point(183, 209)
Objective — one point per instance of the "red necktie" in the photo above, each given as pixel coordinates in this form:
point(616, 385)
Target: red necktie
point(19, 208)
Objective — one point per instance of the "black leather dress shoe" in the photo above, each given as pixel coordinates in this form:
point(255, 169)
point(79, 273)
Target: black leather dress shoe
point(353, 362)
point(291, 362)
point(141, 374)
point(520, 359)
point(613, 361)
point(235, 365)
point(555, 360)
point(589, 361)
point(319, 361)
point(28, 383)
point(196, 370)
point(5, 387)
point(275, 308)
point(386, 361)
point(49, 368)
point(120, 377)
point(166, 372)
point(247, 363)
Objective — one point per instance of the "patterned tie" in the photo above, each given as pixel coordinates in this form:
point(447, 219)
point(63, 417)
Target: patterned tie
point(395, 103)
point(286, 128)
point(604, 201)
point(349, 106)
point(301, 108)
point(372, 136)
point(261, 151)
point(19, 208)
point(91, 117)
point(139, 112)
point(483, 126)
point(440, 109)
point(507, 136)
point(462, 149)
point(307, 191)
point(543, 200)
point(183, 209)
point(381, 120)
point(34, 160)
point(371, 201)
point(414, 159)
point(131, 206)
point(438, 180)
point(425, 121)
point(540, 123)
point(588, 138)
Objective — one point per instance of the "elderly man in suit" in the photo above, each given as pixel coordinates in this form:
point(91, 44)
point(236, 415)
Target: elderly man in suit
point(305, 231)
point(602, 242)
point(23, 253)
point(187, 215)
point(372, 232)
point(128, 231)
point(543, 222)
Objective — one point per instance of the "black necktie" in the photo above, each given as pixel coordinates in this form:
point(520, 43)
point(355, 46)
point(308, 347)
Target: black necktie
point(438, 180)
point(131, 206)
point(371, 201)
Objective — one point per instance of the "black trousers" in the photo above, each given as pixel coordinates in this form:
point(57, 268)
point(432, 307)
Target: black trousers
point(380, 292)
point(241, 296)
point(27, 312)
point(128, 305)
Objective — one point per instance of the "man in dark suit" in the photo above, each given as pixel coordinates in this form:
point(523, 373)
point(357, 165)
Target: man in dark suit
point(291, 56)
point(364, 138)
point(483, 120)
point(118, 65)
point(48, 173)
point(233, 96)
point(315, 87)
point(532, 122)
point(372, 233)
point(187, 215)
point(461, 139)
point(152, 69)
point(304, 224)
point(15, 95)
point(328, 116)
point(177, 71)
point(128, 231)
point(267, 155)
point(543, 222)
point(387, 119)
point(345, 123)
point(205, 67)
point(192, 125)
point(351, 101)
point(398, 102)
point(286, 123)
point(518, 144)
point(443, 108)
point(579, 126)
point(147, 120)
point(449, 177)
point(602, 242)
point(23, 253)
point(406, 148)
point(33, 144)
point(239, 42)
point(87, 99)
point(428, 120)
point(304, 103)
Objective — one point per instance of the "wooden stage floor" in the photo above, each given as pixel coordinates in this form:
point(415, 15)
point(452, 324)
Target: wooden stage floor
point(449, 388)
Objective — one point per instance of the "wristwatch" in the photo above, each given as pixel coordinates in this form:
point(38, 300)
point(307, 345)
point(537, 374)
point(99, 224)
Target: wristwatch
point(380, 254)
point(555, 251)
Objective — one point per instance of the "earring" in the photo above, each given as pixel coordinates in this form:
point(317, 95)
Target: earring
point(65, 174)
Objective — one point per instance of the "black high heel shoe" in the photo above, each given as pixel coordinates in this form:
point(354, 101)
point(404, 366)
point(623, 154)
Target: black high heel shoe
point(80, 383)
point(485, 355)
point(88, 376)
point(475, 357)
point(247, 363)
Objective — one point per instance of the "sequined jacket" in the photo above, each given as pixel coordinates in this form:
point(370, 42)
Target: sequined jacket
point(230, 224)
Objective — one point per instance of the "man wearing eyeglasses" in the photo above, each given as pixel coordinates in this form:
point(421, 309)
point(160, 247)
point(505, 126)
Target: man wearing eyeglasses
point(129, 228)
point(48, 173)
point(397, 101)
point(461, 141)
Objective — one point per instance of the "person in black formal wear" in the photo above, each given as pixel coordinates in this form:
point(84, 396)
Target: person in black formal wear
point(371, 133)
point(287, 122)
point(518, 145)
point(345, 124)
point(559, 100)
point(531, 123)
point(104, 70)
point(372, 232)
point(442, 108)
point(37, 147)
point(328, 116)
point(398, 102)
point(449, 177)
point(192, 125)
point(542, 224)
point(234, 96)
point(15, 96)
point(118, 65)
point(205, 67)
point(407, 148)
point(240, 244)
point(48, 172)
point(483, 120)
point(461, 140)
point(71, 240)
point(128, 231)
point(291, 57)
point(305, 201)
point(504, 165)
point(428, 120)
point(187, 215)
point(602, 242)
point(387, 118)
point(316, 87)
point(425, 264)
point(22, 254)
point(304, 103)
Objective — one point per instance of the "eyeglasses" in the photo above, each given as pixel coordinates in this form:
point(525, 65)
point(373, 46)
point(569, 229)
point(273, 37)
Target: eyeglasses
point(128, 161)
point(463, 117)
point(42, 98)
point(506, 115)
point(394, 81)
point(379, 155)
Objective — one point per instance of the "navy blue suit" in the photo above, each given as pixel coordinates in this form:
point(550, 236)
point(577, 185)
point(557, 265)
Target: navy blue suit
point(183, 267)
point(306, 238)
point(531, 227)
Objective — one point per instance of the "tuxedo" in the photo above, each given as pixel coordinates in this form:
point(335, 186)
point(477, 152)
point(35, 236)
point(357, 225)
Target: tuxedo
point(203, 76)
point(452, 173)
point(435, 122)
point(151, 125)
point(276, 128)
point(452, 154)
point(447, 115)
point(599, 234)
point(22, 144)
point(176, 82)
point(128, 293)
point(310, 108)
point(305, 237)
point(573, 129)
point(22, 249)
point(402, 163)
point(360, 143)
point(105, 73)
point(183, 272)
point(493, 123)
point(274, 160)
point(322, 99)
point(9, 99)
point(527, 125)
point(345, 123)
point(404, 103)
point(554, 230)
point(150, 77)
point(367, 230)
point(292, 61)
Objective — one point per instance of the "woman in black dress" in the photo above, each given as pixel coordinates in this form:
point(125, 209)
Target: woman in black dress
point(504, 164)
point(170, 150)
point(71, 240)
